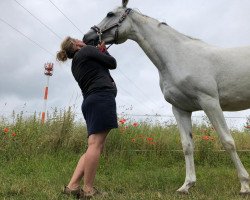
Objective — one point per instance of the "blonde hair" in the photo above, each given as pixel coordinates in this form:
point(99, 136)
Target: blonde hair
point(67, 50)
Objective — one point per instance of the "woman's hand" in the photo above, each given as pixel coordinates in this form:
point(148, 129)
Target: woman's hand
point(102, 47)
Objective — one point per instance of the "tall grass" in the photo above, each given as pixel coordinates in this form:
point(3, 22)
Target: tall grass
point(61, 132)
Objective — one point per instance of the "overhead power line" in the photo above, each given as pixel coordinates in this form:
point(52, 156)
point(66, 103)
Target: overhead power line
point(66, 16)
point(145, 96)
point(59, 37)
point(141, 91)
point(26, 36)
point(142, 103)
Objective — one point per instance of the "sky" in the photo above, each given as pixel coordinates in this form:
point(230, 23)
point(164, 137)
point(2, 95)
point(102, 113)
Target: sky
point(31, 32)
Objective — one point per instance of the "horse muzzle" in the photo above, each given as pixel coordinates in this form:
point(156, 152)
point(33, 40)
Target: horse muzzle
point(91, 38)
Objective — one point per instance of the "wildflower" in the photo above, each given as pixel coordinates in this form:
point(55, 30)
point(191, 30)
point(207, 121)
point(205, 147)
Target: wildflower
point(205, 137)
point(122, 121)
point(150, 139)
point(133, 140)
point(13, 134)
point(6, 130)
point(135, 124)
point(248, 126)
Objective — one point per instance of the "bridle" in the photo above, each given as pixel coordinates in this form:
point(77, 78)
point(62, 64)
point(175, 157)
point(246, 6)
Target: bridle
point(99, 31)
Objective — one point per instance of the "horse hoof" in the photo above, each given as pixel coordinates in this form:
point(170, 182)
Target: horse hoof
point(181, 191)
point(245, 193)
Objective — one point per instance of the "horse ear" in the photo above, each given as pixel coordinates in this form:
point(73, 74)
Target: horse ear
point(124, 3)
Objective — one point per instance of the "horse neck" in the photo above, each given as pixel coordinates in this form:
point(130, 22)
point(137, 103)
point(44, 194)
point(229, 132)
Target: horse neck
point(160, 42)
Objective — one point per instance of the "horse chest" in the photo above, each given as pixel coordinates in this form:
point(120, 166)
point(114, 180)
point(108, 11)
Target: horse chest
point(173, 95)
point(178, 98)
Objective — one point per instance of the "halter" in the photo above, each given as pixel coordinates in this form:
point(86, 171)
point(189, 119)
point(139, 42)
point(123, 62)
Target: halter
point(99, 31)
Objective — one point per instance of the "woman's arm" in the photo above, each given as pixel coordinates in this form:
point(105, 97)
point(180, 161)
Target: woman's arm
point(105, 59)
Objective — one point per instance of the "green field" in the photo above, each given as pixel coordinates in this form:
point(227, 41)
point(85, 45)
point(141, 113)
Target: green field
point(140, 161)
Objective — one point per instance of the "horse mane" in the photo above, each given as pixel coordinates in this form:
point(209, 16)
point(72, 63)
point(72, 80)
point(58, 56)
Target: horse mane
point(162, 23)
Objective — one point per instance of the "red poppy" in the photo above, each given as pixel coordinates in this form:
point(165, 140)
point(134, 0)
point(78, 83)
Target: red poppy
point(248, 126)
point(6, 130)
point(150, 139)
point(13, 134)
point(135, 124)
point(122, 121)
point(205, 137)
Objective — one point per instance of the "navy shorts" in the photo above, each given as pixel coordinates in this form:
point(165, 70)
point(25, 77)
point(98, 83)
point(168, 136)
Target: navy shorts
point(99, 111)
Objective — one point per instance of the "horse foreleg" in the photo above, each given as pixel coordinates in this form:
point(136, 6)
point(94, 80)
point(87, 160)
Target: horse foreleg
point(214, 112)
point(183, 119)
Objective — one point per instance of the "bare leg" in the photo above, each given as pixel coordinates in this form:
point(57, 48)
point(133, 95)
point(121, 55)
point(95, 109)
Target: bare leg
point(78, 174)
point(88, 163)
point(183, 119)
point(214, 112)
point(95, 146)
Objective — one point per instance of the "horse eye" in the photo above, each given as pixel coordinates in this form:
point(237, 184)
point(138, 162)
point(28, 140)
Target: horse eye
point(110, 14)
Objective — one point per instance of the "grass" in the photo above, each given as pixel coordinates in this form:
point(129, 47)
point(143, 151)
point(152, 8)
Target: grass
point(138, 161)
point(43, 176)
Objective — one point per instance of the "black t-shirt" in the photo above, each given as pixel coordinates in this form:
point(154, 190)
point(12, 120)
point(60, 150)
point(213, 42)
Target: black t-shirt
point(90, 68)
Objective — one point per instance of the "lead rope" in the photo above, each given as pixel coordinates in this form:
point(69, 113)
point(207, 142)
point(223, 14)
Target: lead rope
point(99, 33)
point(109, 46)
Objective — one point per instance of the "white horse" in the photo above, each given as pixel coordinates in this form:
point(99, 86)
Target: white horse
point(193, 76)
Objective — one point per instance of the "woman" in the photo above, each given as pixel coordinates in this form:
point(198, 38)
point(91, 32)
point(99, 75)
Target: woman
point(90, 68)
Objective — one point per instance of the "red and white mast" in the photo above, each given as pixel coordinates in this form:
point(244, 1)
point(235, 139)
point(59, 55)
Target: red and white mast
point(48, 73)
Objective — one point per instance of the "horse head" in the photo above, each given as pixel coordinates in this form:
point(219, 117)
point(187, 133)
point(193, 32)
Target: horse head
point(112, 29)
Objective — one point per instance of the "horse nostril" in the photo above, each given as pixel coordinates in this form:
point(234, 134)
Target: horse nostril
point(84, 39)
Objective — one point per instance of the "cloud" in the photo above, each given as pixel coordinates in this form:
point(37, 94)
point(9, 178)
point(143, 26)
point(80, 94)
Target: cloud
point(219, 22)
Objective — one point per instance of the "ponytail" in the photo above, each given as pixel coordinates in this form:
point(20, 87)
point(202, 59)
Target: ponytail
point(67, 50)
